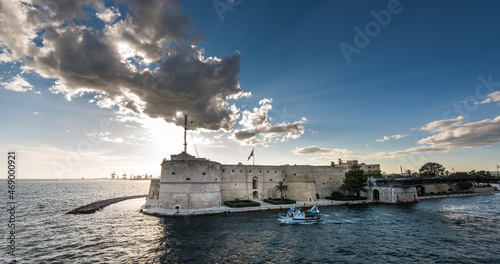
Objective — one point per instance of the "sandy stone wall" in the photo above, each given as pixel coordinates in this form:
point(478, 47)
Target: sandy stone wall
point(191, 184)
point(200, 183)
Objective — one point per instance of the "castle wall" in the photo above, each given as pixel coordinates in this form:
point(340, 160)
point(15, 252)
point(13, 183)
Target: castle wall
point(199, 183)
point(154, 189)
point(308, 183)
point(234, 182)
point(436, 188)
point(393, 194)
point(191, 184)
point(242, 181)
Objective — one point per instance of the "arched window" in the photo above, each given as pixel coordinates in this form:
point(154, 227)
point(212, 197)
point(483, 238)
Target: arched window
point(255, 183)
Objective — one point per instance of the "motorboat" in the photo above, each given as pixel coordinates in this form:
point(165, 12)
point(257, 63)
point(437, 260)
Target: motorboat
point(295, 215)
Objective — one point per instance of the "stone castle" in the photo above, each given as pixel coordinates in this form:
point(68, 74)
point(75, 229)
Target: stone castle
point(189, 183)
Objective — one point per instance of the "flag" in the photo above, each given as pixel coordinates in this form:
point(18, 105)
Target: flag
point(251, 155)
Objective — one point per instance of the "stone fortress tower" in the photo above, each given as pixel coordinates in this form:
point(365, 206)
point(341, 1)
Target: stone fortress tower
point(189, 183)
point(197, 183)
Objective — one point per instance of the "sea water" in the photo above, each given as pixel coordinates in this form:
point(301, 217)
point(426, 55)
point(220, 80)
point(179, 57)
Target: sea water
point(451, 230)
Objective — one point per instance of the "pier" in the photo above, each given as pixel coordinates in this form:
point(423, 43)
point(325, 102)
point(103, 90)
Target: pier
point(91, 208)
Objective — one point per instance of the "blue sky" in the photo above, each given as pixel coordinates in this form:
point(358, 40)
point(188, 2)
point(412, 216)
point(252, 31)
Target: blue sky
point(91, 87)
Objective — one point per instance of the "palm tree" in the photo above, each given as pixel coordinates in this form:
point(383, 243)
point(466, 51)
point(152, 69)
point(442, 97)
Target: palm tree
point(340, 163)
point(281, 188)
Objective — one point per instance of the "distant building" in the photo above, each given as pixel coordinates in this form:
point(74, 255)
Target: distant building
point(366, 167)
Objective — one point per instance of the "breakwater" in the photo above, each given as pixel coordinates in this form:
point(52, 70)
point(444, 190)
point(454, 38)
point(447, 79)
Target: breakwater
point(93, 207)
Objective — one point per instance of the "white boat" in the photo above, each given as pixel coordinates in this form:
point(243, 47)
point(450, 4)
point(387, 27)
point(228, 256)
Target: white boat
point(295, 215)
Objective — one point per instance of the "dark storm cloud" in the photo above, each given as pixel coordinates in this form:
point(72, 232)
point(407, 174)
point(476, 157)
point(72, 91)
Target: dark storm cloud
point(188, 83)
point(143, 59)
point(185, 82)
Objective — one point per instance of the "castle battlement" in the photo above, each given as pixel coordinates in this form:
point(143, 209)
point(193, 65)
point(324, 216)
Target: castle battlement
point(189, 183)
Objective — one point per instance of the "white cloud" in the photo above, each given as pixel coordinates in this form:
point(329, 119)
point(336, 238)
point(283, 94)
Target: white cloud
point(439, 125)
point(258, 130)
point(492, 97)
point(18, 84)
point(16, 32)
point(399, 153)
point(385, 138)
point(456, 133)
point(451, 134)
point(109, 14)
point(324, 153)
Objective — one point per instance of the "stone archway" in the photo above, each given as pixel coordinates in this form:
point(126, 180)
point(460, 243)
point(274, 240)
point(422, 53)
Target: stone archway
point(376, 195)
point(255, 183)
point(386, 196)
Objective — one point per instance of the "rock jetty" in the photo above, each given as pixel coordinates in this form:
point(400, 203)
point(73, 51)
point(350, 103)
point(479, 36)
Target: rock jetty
point(91, 208)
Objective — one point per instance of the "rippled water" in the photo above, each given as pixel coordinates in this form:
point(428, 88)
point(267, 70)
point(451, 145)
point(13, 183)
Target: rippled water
point(454, 230)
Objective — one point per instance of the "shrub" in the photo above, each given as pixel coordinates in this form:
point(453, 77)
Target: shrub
point(337, 194)
point(237, 203)
point(279, 201)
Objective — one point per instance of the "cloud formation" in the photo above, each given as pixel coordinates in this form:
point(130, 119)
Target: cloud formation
point(385, 138)
point(257, 129)
point(454, 133)
point(449, 134)
point(142, 58)
point(18, 84)
point(324, 153)
point(492, 97)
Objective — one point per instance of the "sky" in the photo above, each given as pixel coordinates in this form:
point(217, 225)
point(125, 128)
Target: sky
point(93, 87)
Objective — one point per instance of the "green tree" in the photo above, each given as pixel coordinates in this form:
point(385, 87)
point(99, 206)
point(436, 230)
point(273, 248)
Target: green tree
point(336, 194)
point(355, 181)
point(332, 163)
point(340, 162)
point(282, 188)
point(431, 169)
point(484, 173)
point(374, 174)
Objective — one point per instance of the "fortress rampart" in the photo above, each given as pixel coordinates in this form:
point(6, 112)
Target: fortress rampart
point(196, 183)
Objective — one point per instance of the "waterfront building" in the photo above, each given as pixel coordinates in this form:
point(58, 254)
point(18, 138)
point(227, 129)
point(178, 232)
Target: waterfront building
point(189, 183)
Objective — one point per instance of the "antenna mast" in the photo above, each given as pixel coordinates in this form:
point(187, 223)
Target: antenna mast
point(185, 130)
